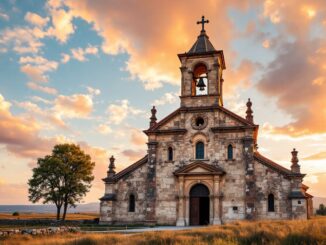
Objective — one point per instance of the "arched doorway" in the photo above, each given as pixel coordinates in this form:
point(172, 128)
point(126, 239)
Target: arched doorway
point(199, 205)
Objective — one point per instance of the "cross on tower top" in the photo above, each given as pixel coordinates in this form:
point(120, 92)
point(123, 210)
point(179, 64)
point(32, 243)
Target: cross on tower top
point(202, 22)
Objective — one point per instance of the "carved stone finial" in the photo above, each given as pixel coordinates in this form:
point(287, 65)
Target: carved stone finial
point(111, 171)
point(295, 167)
point(249, 112)
point(153, 117)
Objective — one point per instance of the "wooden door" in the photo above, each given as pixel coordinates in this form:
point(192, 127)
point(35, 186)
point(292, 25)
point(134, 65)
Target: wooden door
point(194, 210)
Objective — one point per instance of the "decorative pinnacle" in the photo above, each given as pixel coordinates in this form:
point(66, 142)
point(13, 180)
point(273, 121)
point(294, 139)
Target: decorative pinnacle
point(153, 117)
point(295, 167)
point(111, 171)
point(202, 22)
point(249, 112)
point(295, 159)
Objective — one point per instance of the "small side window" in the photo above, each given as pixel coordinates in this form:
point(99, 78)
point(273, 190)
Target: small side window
point(230, 152)
point(132, 203)
point(200, 150)
point(271, 207)
point(170, 154)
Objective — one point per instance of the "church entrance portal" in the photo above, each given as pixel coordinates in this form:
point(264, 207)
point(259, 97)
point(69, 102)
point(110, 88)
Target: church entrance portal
point(199, 205)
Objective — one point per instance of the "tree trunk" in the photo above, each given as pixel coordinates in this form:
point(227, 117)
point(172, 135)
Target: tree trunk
point(58, 211)
point(65, 206)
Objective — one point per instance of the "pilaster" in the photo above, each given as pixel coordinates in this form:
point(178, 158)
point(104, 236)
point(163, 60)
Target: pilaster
point(216, 201)
point(250, 181)
point(181, 206)
point(151, 183)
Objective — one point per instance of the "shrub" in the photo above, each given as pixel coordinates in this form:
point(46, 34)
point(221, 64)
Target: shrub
point(15, 214)
point(321, 210)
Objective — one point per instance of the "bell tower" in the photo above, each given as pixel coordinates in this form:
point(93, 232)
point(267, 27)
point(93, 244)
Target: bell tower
point(201, 73)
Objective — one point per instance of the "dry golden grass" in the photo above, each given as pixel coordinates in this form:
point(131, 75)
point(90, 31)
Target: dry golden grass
point(261, 232)
point(70, 216)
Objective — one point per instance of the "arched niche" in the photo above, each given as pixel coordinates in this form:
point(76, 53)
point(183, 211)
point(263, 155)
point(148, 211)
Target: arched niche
point(200, 76)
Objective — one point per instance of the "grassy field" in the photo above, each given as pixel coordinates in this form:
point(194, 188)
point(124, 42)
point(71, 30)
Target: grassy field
point(70, 216)
point(261, 232)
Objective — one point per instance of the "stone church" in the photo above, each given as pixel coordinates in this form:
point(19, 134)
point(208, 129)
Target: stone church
point(203, 165)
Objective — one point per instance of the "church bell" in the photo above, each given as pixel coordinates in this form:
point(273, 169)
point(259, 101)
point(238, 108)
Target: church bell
point(201, 85)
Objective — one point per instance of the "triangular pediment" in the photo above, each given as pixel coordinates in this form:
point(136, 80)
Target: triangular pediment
point(198, 170)
point(199, 167)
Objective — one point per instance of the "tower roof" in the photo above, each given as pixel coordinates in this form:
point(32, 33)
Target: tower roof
point(202, 45)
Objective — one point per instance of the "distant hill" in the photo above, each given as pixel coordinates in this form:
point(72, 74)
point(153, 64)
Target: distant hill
point(81, 208)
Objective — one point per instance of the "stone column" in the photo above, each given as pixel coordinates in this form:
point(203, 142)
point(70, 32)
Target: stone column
point(250, 181)
point(181, 213)
point(186, 208)
point(216, 200)
point(150, 217)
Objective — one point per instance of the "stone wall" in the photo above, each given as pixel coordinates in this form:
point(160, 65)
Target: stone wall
point(134, 183)
point(38, 231)
point(299, 209)
point(243, 190)
point(233, 183)
point(269, 181)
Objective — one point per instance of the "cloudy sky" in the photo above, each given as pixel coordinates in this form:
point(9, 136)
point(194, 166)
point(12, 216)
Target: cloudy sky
point(88, 72)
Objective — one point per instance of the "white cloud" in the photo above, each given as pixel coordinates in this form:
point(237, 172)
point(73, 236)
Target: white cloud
point(39, 99)
point(42, 88)
point(118, 112)
point(35, 67)
point(65, 58)
point(62, 26)
point(22, 39)
point(167, 98)
point(79, 53)
point(74, 106)
point(4, 16)
point(28, 39)
point(104, 129)
point(93, 91)
point(91, 50)
point(54, 4)
point(35, 19)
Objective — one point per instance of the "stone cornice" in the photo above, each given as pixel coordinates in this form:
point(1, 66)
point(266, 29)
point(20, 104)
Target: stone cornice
point(227, 129)
point(166, 131)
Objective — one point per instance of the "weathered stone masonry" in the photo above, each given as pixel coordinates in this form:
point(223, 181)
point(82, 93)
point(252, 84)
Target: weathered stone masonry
point(203, 165)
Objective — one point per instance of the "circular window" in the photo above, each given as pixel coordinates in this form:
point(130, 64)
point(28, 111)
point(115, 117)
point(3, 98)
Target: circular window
point(199, 122)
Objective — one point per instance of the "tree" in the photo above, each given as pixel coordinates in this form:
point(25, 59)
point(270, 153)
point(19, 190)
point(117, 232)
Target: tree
point(62, 178)
point(321, 210)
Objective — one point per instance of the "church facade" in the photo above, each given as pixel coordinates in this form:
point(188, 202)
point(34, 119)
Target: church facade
point(203, 165)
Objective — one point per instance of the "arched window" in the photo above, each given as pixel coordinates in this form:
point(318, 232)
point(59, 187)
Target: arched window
point(271, 207)
point(199, 83)
point(132, 203)
point(170, 154)
point(200, 150)
point(230, 152)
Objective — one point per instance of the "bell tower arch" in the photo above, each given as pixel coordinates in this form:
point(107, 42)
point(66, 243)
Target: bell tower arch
point(201, 73)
